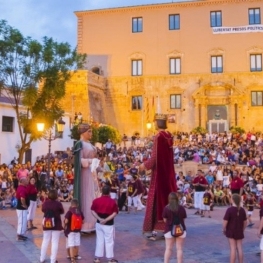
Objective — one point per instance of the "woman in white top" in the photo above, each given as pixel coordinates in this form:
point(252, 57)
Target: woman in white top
point(213, 167)
point(226, 179)
point(219, 175)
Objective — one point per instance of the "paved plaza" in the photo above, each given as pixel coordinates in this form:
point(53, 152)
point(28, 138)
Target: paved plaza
point(204, 243)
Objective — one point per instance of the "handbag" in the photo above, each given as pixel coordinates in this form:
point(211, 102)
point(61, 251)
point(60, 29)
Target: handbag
point(177, 228)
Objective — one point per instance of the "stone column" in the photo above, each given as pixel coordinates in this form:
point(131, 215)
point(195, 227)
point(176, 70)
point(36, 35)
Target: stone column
point(231, 117)
point(203, 115)
point(196, 114)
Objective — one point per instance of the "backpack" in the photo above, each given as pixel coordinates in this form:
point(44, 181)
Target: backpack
point(49, 219)
point(177, 229)
point(76, 221)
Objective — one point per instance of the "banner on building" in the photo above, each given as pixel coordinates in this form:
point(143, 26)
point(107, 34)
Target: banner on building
point(238, 29)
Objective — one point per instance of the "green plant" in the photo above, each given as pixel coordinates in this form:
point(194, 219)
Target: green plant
point(199, 130)
point(34, 74)
point(237, 129)
point(106, 132)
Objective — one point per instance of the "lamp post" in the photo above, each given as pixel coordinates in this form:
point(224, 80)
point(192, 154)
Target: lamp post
point(149, 126)
point(49, 136)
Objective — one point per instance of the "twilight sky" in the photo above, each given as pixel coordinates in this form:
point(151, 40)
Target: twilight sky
point(55, 18)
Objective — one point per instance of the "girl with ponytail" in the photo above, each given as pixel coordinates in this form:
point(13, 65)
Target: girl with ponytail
point(234, 224)
point(170, 211)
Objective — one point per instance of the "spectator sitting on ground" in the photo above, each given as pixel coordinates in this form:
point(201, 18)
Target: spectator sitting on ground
point(59, 173)
point(64, 195)
point(219, 196)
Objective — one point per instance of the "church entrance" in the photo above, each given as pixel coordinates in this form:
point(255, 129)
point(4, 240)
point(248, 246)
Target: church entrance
point(217, 117)
point(216, 106)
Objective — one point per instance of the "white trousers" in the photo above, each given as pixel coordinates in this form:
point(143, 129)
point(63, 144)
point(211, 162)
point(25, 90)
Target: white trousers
point(198, 200)
point(139, 201)
point(113, 195)
point(104, 238)
point(21, 221)
point(132, 200)
point(32, 210)
point(48, 235)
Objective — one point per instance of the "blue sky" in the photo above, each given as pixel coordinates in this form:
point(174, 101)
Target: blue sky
point(55, 18)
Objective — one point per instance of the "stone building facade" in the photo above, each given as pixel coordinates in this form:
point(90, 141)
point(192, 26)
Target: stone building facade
point(200, 62)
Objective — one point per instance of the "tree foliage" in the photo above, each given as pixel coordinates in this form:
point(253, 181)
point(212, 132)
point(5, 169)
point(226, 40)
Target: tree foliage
point(199, 130)
point(34, 74)
point(100, 134)
point(237, 129)
point(108, 132)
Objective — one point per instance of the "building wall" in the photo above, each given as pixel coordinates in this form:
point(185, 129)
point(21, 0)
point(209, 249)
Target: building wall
point(108, 33)
point(85, 93)
point(10, 141)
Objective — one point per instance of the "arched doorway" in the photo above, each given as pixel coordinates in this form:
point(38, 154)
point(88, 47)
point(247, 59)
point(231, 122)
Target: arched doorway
point(216, 106)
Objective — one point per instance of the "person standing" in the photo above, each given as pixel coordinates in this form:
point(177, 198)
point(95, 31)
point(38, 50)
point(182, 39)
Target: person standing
point(70, 231)
point(21, 209)
point(236, 184)
point(132, 194)
point(260, 233)
point(32, 195)
point(173, 208)
point(234, 224)
point(200, 184)
point(104, 209)
point(124, 139)
point(140, 190)
point(54, 207)
point(85, 186)
point(120, 172)
point(163, 179)
point(108, 146)
point(207, 201)
point(250, 203)
point(114, 186)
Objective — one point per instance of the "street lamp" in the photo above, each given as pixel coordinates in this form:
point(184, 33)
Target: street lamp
point(49, 136)
point(149, 126)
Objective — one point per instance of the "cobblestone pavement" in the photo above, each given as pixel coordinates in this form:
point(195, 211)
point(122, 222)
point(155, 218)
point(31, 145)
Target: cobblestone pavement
point(204, 242)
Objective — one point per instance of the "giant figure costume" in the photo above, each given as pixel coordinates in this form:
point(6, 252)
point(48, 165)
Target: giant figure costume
point(163, 180)
point(85, 183)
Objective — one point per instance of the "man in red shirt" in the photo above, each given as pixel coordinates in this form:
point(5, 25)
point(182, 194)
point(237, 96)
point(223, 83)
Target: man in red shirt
point(200, 184)
point(104, 209)
point(21, 209)
point(236, 184)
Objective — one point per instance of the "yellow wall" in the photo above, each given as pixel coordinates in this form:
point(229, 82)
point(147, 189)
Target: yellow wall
point(108, 33)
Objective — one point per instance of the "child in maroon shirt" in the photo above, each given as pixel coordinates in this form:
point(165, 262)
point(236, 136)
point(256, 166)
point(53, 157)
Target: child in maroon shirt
point(73, 236)
point(234, 224)
point(249, 203)
point(172, 210)
point(132, 194)
point(207, 200)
